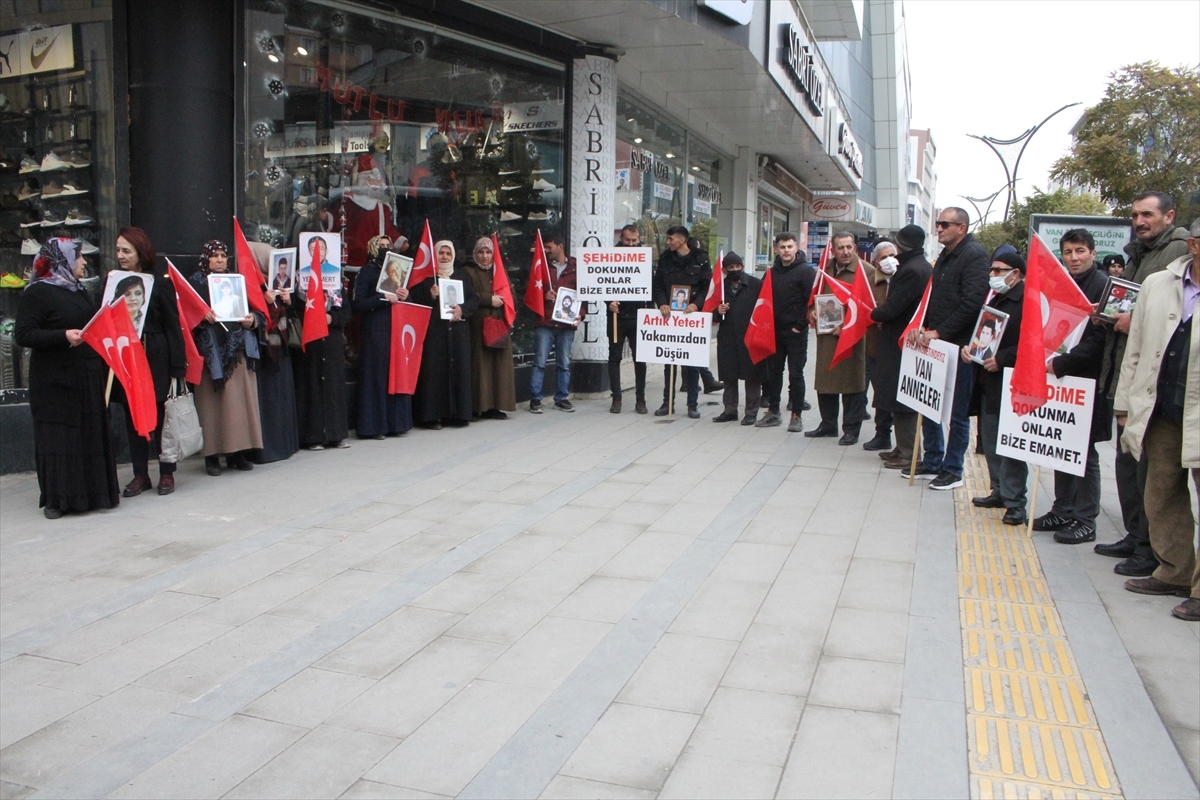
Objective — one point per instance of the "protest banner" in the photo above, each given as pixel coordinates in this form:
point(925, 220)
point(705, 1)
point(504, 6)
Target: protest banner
point(681, 339)
point(1054, 435)
point(614, 273)
point(927, 378)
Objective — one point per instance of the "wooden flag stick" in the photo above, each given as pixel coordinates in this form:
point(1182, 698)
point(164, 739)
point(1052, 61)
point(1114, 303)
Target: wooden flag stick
point(912, 468)
point(671, 394)
point(1037, 478)
point(108, 388)
point(614, 327)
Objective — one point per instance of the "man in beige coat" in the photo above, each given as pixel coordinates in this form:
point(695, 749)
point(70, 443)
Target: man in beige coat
point(1158, 402)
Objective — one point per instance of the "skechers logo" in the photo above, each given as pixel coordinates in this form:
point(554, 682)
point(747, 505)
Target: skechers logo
point(36, 58)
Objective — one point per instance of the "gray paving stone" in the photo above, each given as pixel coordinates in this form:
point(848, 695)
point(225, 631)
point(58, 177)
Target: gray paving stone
point(602, 599)
point(857, 684)
point(876, 585)
point(871, 635)
point(747, 726)
point(772, 658)
point(632, 746)
point(680, 674)
point(721, 609)
point(546, 655)
point(310, 698)
point(380, 649)
point(822, 766)
point(711, 776)
point(325, 763)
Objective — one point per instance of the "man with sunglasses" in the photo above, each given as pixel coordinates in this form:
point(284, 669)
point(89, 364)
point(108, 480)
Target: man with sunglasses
point(960, 283)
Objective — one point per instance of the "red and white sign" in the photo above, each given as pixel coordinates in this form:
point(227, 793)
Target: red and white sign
point(831, 208)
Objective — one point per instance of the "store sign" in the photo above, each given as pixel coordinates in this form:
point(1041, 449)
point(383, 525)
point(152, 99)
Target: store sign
point(801, 65)
point(615, 273)
point(795, 66)
point(664, 191)
point(864, 213)
point(305, 139)
point(1055, 435)
point(40, 50)
point(1111, 234)
point(682, 339)
point(593, 181)
point(701, 206)
point(645, 162)
point(843, 148)
point(709, 192)
point(831, 207)
point(739, 11)
point(543, 115)
point(346, 92)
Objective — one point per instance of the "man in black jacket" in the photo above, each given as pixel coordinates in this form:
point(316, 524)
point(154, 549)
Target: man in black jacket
point(960, 282)
point(624, 318)
point(733, 357)
point(1077, 498)
point(791, 284)
point(681, 266)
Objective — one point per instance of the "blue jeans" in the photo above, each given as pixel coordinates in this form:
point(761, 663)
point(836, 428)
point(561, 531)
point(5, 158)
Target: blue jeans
point(949, 457)
point(561, 339)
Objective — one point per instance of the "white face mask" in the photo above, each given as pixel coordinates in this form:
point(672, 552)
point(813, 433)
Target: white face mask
point(888, 264)
point(999, 284)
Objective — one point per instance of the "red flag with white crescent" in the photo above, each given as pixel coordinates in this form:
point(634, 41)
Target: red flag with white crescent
point(539, 279)
point(424, 265)
point(112, 335)
point(316, 326)
point(192, 311)
point(716, 287)
point(821, 276)
point(500, 285)
point(409, 322)
point(760, 334)
point(247, 265)
point(859, 305)
point(918, 317)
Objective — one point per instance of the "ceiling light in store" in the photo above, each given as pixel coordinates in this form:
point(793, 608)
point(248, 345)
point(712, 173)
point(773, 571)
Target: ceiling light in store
point(670, 155)
point(695, 169)
point(637, 140)
point(629, 120)
point(300, 51)
point(273, 58)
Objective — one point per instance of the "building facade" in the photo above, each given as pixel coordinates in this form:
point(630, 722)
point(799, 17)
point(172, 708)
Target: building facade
point(922, 185)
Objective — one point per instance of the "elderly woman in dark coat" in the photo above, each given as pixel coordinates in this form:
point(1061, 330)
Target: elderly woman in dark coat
point(227, 397)
point(76, 468)
point(276, 386)
point(165, 353)
point(320, 372)
point(493, 384)
point(733, 357)
point(380, 414)
point(444, 383)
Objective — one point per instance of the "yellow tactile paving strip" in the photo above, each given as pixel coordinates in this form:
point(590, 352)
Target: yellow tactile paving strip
point(1030, 728)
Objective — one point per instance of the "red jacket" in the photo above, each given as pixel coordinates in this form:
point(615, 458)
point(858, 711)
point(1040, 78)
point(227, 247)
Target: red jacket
point(567, 281)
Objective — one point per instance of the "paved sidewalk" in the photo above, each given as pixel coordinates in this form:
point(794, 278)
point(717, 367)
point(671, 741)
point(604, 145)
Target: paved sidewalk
point(565, 605)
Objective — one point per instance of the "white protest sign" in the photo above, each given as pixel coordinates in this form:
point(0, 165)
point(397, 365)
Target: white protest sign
point(927, 378)
point(1055, 435)
point(615, 273)
point(683, 339)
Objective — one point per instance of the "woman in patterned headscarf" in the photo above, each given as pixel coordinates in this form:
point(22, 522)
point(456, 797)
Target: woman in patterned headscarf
point(227, 397)
point(443, 393)
point(379, 414)
point(76, 467)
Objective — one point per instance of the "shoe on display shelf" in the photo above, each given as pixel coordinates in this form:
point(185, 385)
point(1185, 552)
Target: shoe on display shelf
point(543, 185)
point(76, 217)
point(29, 164)
point(88, 248)
point(78, 159)
point(69, 189)
point(11, 280)
point(539, 216)
point(30, 247)
point(550, 171)
point(31, 218)
point(51, 218)
point(509, 216)
point(511, 187)
point(29, 189)
point(52, 162)
point(504, 173)
point(51, 187)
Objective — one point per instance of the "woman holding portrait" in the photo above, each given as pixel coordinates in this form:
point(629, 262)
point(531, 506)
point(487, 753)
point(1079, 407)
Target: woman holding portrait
point(380, 414)
point(320, 367)
point(444, 383)
point(493, 386)
point(276, 385)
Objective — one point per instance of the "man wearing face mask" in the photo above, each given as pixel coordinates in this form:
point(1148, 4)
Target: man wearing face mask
point(1008, 476)
point(885, 262)
point(733, 357)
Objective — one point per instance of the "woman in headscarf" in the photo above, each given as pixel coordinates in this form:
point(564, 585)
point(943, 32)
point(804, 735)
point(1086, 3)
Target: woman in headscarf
point(227, 397)
point(276, 386)
point(444, 382)
point(76, 467)
point(165, 353)
point(493, 386)
point(320, 371)
point(379, 414)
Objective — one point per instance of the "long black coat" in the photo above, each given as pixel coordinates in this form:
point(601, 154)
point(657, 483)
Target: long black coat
point(163, 339)
point(57, 371)
point(444, 382)
point(320, 374)
point(733, 358)
point(960, 284)
point(893, 315)
point(1086, 359)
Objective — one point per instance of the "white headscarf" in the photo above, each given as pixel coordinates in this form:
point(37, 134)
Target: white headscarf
point(444, 270)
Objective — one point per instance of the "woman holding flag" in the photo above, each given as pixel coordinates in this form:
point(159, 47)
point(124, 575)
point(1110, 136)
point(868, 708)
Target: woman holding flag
point(163, 340)
point(380, 414)
point(493, 385)
point(444, 387)
point(76, 467)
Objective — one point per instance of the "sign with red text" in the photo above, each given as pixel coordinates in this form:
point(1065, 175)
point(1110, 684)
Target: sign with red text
point(1055, 435)
point(615, 273)
point(683, 339)
point(927, 378)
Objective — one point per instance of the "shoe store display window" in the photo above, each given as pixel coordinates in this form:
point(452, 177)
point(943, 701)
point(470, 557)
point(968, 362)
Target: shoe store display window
point(57, 160)
point(361, 124)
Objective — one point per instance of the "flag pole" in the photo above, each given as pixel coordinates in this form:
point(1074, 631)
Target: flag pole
point(614, 327)
point(912, 468)
point(1037, 478)
point(671, 394)
point(108, 387)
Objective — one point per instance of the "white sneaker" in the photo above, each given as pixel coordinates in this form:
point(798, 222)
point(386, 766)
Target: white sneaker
point(88, 248)
point(507, 172)
point(78, 159)
point(539, 215)
point(29, 164)
point(511, 188)
point(543, 185)
point(30, 247)
point(52, 162)
point(509, 216)
point(74, 217)
point(51, 218)
point(540, 171)
point(69, 189)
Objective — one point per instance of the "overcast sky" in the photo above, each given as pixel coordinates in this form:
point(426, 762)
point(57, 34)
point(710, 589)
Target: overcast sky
point(998, 67)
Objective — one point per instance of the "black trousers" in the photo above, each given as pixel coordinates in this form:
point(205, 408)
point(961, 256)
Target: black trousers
point(853, 407)
point(883, 419)
point(1131, 483)
point(139, 448)
point(792, 347)
point(626, 332)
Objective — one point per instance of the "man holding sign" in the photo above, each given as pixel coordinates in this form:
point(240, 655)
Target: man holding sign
point(624, 321)
point(681, 267)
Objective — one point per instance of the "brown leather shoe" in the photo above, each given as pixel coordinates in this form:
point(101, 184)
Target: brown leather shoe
point(1188, 610)
point(136, 486)
point(166, 483)
point(1155, 586)
point(897, 463)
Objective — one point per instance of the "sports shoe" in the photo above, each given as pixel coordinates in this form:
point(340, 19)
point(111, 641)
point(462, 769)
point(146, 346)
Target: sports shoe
point(30, 247)
point(29, 189)
point(52, 162)
point(52, 218)
point(1050, 522)
point(88, 248)
point(78, 159)
point(564, 405)
point(693, 412)
point(946, 480)
point(539, 215)
point(509, 216)
point(506, 172)
point(535, 406)
point(1076, 533)
point(29, 164)
point(31, 218)
point(69, 189)
point(770, 420)
point(76, 217)
point(548, 171)
point(51, 188)
point(796, 424)
point(543, 185)
point(924, 473)
point(11, 280)
point(512, 187)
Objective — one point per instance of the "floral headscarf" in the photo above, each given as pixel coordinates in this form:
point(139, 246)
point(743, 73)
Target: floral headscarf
point(55, 264)
point(210, 249)
point(437, 248)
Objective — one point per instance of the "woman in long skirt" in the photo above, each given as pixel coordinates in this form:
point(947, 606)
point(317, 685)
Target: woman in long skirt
point(444, 382)
point(380, 414)
point(227, 397)
point(493, 385)
point(276, 386)
point(76, 467)
point(320, 372)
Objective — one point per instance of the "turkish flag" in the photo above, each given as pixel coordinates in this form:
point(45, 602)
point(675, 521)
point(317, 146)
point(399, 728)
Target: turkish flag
point(716, 287)
point(821, 276)
point(760, 335)
point(1053, 307)
point(500, 284)
point(192, 311)
point(111, 334)
point(539, 279)
point(247, 265)
point(409, 323)
point(859, 305)
point(315, 325)
point(918, 318)
point(423, 265)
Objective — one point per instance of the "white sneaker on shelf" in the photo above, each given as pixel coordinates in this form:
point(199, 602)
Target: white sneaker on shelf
point(509, 216)
point(543, 185)
point(69, 189)
point(75, 217)
point(52, 162)
point(538, 216)
point(540, 171)
point(30, 247)
point(511, 187)
point(29, 164)
point(89, 248)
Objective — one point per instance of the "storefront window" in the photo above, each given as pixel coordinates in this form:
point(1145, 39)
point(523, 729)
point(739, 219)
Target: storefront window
point(358, 124)
point(57, 148)
point(709, 180)
point(651, 154)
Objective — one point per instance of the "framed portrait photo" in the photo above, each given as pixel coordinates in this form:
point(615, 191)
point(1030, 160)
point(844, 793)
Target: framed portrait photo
point(324, 249)
point(135, 287)
point(566, 306)
point(394, 274)
point(681, 295)
point(227, 296)
point(281, 270)
point(989, 328)
point(450, 294)
point(1119, 298)
point(829, 313)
